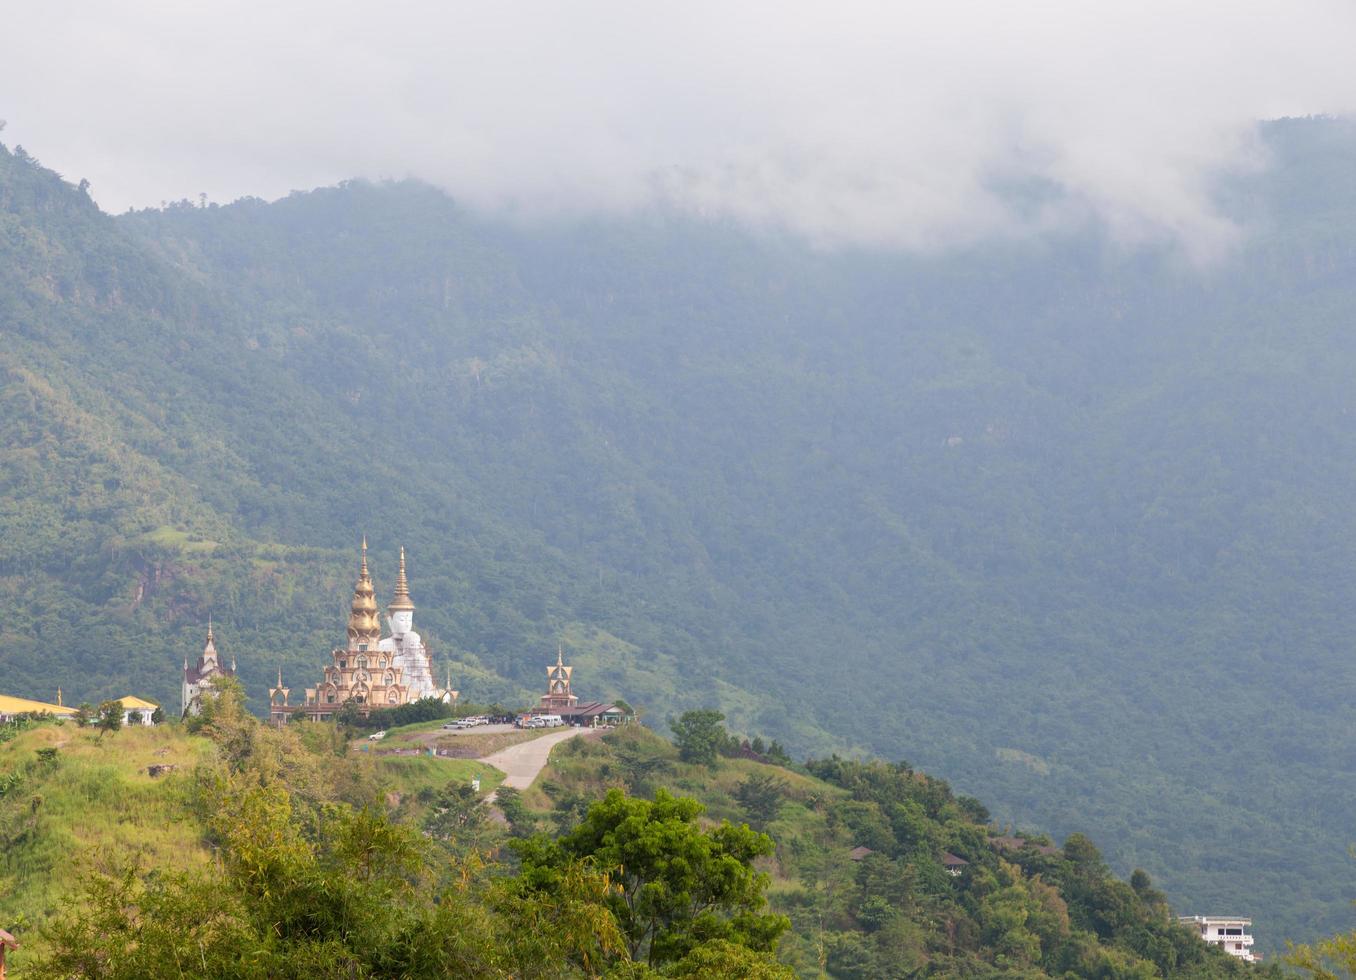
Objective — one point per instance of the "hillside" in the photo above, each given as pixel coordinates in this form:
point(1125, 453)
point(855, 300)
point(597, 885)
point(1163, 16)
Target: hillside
point(85, 823)
point(1063, 522)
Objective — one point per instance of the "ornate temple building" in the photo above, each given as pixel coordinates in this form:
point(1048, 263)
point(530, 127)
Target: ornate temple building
point(368, 671)
point(560, 700)
point(558, 697)
point(198, 679)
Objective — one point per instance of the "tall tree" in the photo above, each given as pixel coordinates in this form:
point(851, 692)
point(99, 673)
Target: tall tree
point(676, 884)
point(700, 736)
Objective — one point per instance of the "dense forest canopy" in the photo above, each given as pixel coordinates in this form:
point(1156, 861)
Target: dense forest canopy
point(1065, 522)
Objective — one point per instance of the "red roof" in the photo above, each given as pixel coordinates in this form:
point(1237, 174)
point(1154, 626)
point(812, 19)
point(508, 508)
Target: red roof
point(857, 853)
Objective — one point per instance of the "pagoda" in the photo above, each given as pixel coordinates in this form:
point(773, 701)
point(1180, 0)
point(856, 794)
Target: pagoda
point(558, 696)
point(359, 673)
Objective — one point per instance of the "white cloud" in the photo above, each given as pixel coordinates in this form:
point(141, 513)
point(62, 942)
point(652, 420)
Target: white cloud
point(849, 122)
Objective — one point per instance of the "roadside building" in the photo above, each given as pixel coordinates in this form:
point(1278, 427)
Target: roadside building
point(594, 714)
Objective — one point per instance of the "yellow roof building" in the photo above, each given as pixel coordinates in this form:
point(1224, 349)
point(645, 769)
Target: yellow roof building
point(130, 703)
point(11, 706)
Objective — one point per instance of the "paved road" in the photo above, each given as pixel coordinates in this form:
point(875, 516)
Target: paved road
point(520, 763)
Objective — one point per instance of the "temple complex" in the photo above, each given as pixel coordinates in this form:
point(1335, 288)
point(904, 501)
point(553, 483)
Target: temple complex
point(198, 678)
point(368, 671)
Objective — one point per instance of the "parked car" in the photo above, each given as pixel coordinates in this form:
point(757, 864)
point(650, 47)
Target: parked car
point(376, 736)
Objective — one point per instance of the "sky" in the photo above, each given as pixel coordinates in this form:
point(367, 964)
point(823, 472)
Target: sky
point(848, 123)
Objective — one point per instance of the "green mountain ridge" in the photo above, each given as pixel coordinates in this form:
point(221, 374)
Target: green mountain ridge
point(1063, 522)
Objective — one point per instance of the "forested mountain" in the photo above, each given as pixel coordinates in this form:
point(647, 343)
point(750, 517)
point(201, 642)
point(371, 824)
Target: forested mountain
point(1063, 521)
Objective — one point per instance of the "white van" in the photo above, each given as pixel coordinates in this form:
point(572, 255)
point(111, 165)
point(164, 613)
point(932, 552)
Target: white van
point(550, 721)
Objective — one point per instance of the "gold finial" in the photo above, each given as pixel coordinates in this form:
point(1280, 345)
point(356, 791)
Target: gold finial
point(402, 600)
point(280, 676)
point(560, 654)
point(59, 704)
point(209, 628)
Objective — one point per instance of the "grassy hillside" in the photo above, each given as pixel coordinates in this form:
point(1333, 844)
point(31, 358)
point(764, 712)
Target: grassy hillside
point(85, 823)
point(1066, 523)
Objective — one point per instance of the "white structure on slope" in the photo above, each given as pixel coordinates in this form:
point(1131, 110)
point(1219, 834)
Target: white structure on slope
point(198, 679)
point(1231, 932)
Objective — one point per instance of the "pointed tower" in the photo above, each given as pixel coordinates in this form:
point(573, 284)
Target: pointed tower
point(278, 708)
point(209, 650)
point(364, 627)
point(558, 694)
point(199, 677)
point(402, 601)
point(363, 671)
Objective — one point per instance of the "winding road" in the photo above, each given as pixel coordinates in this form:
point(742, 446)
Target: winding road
point(520, 763)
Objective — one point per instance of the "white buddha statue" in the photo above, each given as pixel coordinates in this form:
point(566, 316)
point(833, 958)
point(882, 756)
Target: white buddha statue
point(404, 646)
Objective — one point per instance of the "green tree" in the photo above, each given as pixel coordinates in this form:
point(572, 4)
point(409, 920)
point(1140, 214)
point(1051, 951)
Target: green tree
point(761, 797)
point(699, 735)
point(676, 885)
point(456, 816)
point(109, 717)
point(158, 716)
point(84, 714)
point(1325, 959)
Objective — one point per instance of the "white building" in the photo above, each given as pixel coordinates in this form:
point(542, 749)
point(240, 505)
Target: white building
point(137, 711)
point(1230, 932)
point(405, 645)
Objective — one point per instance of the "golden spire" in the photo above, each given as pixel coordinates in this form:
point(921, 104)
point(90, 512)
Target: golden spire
point(59, 704)
point(560, 654)
point(364, 628)
point(210, 647)
point(402, 600)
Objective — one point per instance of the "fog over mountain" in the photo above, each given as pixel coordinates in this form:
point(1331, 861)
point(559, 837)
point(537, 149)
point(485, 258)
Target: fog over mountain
point(922, 125)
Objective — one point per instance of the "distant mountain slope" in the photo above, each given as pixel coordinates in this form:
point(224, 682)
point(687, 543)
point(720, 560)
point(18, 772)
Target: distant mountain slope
point(1067, 524)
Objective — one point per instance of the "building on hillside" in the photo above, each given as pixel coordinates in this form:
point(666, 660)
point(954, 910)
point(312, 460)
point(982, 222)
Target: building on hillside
point(200, 677)
point(558, 698)
point(368, 672)
point(1231, 933)
point(955, 866)
point(12, 707)
point(137, 711)
point(359, 672)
